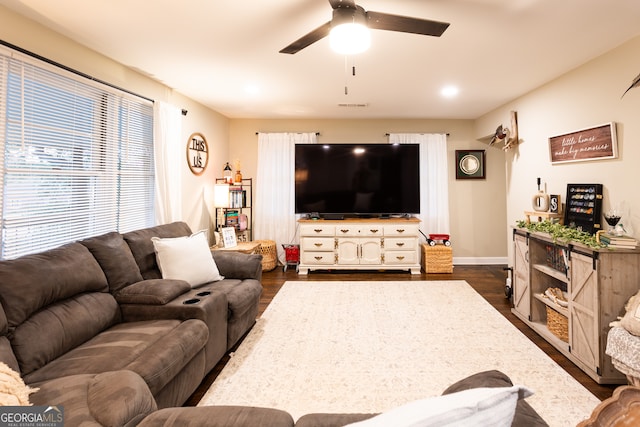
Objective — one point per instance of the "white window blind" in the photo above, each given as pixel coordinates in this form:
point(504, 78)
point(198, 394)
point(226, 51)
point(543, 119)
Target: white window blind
point(76, 157)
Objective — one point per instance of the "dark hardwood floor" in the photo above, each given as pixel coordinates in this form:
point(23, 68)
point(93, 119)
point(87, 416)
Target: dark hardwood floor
point(488, 281)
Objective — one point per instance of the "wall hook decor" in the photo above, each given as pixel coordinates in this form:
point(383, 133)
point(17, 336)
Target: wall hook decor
point(634, 83)
point(507, 135)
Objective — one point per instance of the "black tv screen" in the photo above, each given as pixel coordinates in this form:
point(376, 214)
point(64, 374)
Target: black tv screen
point(357, 179)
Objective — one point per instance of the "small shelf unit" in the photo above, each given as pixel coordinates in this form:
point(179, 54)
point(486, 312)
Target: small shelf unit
point(240, 203)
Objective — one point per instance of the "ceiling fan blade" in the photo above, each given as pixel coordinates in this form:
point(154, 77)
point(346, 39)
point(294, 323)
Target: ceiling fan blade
point(345, 4)
point(310, 38)
point(405, 24)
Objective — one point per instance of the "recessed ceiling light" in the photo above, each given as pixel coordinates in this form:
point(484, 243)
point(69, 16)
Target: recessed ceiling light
point(449, 91)
point(252, 89)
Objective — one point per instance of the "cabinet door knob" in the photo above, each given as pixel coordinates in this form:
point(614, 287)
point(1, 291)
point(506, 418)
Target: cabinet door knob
point(317, 245)
point(317, 230)
point(400, 230)
point(400, 244)
point(344, 231)
point(400, 258)
point(374, 230)
point(318, 258)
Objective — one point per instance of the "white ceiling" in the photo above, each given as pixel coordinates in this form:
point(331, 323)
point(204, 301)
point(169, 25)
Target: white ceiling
point(212, 50)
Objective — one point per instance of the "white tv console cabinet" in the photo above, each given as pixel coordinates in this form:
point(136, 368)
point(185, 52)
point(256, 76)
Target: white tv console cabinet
point(359, 244)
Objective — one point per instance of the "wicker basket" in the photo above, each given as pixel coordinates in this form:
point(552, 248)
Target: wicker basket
point(558, 324)
point(269, 254)
point(437, 259)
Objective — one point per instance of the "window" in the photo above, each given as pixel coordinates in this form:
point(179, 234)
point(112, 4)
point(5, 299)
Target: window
point(76, 157)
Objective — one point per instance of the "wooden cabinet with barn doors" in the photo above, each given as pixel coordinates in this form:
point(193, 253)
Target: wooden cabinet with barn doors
point(359, 244)
point(594, 286)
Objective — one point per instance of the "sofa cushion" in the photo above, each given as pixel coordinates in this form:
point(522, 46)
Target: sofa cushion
point(115, 258)
point(117, 398)
point(484, 406)
point(139, 242)
point(238, 265)
point(153, 291)
point(32, 282)
point(330, 420)
point(61, 327)
point(525, 415)
point(54, 301)
point(219, 416)
point(6, 352)
point(186, 258)
point(157, 350)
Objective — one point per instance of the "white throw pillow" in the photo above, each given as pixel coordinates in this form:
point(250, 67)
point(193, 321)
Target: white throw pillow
point(476, 407)
point(186, 258)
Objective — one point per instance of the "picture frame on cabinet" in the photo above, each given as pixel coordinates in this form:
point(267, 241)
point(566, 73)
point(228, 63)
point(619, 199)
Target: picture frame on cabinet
point(470, 164)
point(229, 237)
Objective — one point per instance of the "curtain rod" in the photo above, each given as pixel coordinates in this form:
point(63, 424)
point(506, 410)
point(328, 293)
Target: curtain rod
point(448, 134)
point(317, 133)
point(69, 69)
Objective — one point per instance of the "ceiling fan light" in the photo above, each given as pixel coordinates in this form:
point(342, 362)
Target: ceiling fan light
point(349, 38)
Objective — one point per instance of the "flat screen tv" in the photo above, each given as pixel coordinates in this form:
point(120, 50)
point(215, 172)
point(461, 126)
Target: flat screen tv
point(357, 179)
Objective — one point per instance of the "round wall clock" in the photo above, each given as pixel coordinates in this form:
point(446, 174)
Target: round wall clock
point(197, 153)
point(470, 164)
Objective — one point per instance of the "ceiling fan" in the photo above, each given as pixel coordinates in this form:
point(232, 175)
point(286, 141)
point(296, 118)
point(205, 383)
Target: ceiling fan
point(346, 11)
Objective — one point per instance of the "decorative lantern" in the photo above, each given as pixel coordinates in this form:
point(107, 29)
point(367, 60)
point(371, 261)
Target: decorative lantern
point(227, 174)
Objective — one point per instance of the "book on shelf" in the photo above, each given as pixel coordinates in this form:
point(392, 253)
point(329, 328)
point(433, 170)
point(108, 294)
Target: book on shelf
point(622, 242)
point(231, 218)
point(237, 197)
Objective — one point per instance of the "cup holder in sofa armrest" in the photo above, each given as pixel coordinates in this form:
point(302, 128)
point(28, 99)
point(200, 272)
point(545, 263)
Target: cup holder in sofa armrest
point(203, 293)
point(191, 301)
point(152, 292)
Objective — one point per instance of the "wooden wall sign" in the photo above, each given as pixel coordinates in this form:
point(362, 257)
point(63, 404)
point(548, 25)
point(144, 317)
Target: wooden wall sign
point(197, 153)
point(595, 143)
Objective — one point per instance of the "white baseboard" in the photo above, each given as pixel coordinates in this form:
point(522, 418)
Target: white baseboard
point(480, 260)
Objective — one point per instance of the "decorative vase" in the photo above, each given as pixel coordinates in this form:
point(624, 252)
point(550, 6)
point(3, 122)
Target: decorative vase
point(540, 201)
point(238, 177)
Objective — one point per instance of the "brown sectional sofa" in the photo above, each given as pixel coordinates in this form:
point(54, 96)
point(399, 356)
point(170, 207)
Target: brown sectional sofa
point(76, 315)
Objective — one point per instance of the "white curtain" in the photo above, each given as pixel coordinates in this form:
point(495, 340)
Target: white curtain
point(167, 150)
point(434, 179)
point(275, 204)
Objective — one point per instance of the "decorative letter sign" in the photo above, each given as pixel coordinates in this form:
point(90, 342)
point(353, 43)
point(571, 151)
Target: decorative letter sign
point(197, 153)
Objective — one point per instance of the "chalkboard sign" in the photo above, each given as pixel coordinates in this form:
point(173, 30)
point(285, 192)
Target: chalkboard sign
point(595, 143)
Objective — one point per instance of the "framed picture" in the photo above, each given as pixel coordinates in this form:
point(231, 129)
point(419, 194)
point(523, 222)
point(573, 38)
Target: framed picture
point(596, 143)
point(470, 164)
point(229, 237)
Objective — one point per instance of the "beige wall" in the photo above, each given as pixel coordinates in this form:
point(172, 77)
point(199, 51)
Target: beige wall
point(478, 210)
point(215, 127)
point(585, 97)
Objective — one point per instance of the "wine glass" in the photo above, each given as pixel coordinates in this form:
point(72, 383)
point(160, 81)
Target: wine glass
point(612, 217)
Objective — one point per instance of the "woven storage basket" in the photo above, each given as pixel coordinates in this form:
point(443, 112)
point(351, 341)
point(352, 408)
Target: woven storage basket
point(437, 259)
point(269, 254)
point(558, 324)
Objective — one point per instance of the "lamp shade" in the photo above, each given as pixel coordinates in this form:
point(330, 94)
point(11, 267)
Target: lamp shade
point(350, 38)
point(349, 33)
point(221, 196)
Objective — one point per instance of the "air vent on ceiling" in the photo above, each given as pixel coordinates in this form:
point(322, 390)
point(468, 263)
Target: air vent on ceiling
point(353, 105)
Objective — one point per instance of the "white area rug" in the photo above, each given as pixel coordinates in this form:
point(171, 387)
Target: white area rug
point(371, 346)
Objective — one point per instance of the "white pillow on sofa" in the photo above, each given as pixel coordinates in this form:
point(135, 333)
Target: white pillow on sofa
point(476, 407)
point(186, 258)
